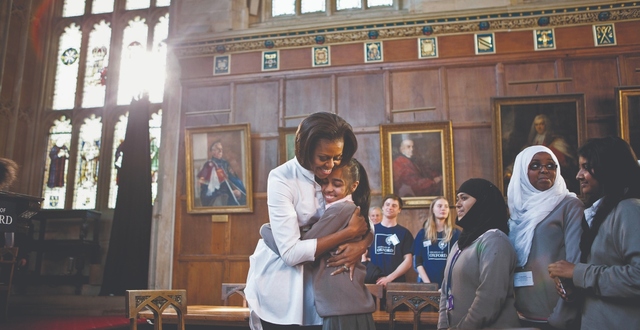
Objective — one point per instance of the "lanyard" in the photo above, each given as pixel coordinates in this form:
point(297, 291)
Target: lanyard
point(449, 294)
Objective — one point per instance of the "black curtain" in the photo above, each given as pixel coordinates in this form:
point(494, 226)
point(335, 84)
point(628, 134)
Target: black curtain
point(127, 264)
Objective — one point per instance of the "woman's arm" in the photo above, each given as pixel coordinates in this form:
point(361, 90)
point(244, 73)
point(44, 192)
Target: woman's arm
point(496, 265)
point(423, 274)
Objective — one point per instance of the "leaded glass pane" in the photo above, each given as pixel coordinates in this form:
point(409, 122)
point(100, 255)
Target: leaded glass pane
point(348, 4)
point(283, 7)
point(155, 124)
point(116, 150)
point(73, 8)
point(57, 164)
point(163, 3)
point(379, 3)
point(102, 6)
point(312, 6)
point(64, 92)
point(87, 164)
point(158, 60)
point(134, 62)
point(137, 4)
point(95, 80)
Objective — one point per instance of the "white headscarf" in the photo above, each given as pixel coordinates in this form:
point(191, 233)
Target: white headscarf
point(528, 206)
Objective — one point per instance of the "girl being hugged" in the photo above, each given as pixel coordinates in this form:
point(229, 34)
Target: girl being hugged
point(343, 302)
point(433, 242)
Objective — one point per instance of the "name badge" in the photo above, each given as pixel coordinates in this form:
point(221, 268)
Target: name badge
point(394, 239)
point(426, 243)
point(521, 279)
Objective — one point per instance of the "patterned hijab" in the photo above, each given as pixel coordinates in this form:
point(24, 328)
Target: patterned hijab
point(528, 206)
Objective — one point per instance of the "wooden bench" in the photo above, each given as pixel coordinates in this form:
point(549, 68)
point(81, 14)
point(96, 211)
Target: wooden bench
point(229, 289)
point(236, 316)
point(418, 297)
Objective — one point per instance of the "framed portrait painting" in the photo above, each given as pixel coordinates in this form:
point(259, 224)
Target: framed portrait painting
point(286, 143)
point(628, 104)
point(555, 121)
point(417, 162)
point(219, 169)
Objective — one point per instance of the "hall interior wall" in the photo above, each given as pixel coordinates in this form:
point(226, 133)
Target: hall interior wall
point(458, 85)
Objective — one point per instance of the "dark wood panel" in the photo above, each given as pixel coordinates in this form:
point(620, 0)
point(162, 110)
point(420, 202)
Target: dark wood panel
point(531, 78)
point(514, 42)
point(400, 50)
point(348, 54)
point(456, 46)
point(206, 98)
point(369, 156)
point(631, 71)
point(305, 96)
point(246, 62)
point(574, 37)
point(245, 228)
point(257, 104)
point(198, 67)
point(470, 91)
point(596, 79)
point(627, 33)
point(361, 99)
point(415, 90)
point(297, 58)
point(200, 236)
point(473, 153)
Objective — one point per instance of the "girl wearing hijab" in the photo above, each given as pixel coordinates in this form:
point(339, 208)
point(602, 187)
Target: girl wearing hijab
point(544, 228)
point(608, 274)
point(477, 290)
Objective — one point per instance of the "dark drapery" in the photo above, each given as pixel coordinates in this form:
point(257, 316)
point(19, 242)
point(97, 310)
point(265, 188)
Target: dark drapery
point(127, 264)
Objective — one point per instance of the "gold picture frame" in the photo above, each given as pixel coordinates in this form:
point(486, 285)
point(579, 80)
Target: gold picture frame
point(218, 166)
point(286, 143)
point(426, 172)
point(556, 121)
point(628, 105)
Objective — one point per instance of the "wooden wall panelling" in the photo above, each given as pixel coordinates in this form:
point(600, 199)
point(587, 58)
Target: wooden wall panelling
point(360, 99)
point(206, 105)
point(347, 54)
point(566, 37)
point(456, 46)
point(246, 62)
point(595, 77)
point(627, 33)
point(306, 96)
point(257, 104)
point(415, 90)
point(514, 42)
point(244, 230)
point(473, 153)
point(531, 78)
point(470, 90)
point(631, 71)
point(400, 50)
point(369, 156)
point(296, 58)
point(199, 67)
point(204, 282)
point(264, 153)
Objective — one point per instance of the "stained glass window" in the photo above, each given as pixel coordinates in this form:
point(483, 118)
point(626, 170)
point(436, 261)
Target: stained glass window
point(134, 64)
point(379, 3)
point(348, 4)
point(116, 152)
point(283, 7)
point(73, 8)
point(312, 6)
point(57, 164)
point(158, 56)
point(85, 44)
point(102, 6)
point(154, 149)
point(87, 163)
point(137, 4)
point(95, 80)
point(155, 124)
point(67, 68)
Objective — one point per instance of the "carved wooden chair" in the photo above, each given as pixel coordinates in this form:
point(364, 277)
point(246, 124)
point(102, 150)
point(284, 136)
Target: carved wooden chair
point(157, 301)
point(8, 258)
point(418, 297)
point(229, 289)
